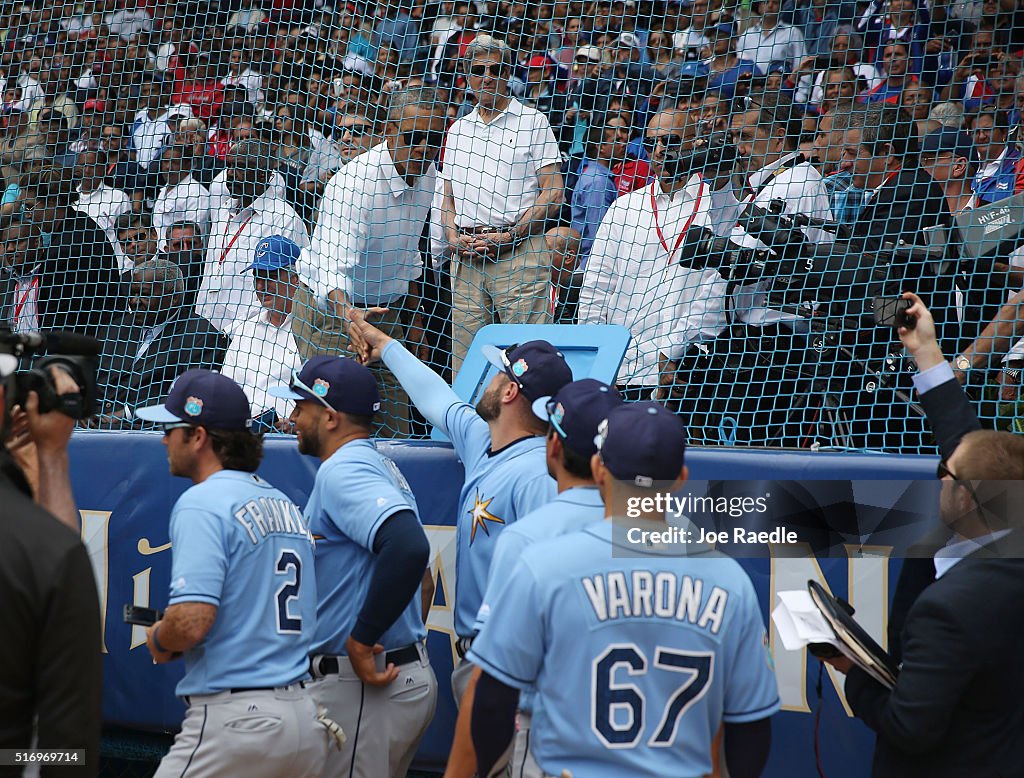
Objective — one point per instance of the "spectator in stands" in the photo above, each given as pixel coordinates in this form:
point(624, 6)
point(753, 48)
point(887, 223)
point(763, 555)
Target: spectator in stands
point(997, 177)
point(396, 29)
point(53, 136)
point(365, 247)
point(633, 271)
point(78, 287)
point(185, 246)
point(595, 188)
point(768, 40)
point(146, 349)
point(835, 148)
point(895, 61)
point(151, 127)
point(182, 197)
point(691, 40)
point(950, 159)
point(240, 74)
point(896, 22)
point(818, 20)
point(839, 88)
point(262, 351)
point(356, 133)
point(725, 68)
point(501, 171)
point(193, 136)
point(661, 51)
point(312, 158)
point(122, 171)
point(254, 209)
point(136, 240)
point(201, 89)
point(916, 101)
point(103, 203)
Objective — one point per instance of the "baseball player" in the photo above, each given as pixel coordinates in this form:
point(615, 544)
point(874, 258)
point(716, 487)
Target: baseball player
point(573, 415)
point(242, 605)
point(637, 654)
point(368, 658)
point(500, 443)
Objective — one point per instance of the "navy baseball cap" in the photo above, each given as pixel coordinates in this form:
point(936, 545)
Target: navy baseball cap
point(202, 398)
point(576, 411)
point(274, 253)
point(537, 367)
point(643, 443)
point(338, 383)
point(949, 141)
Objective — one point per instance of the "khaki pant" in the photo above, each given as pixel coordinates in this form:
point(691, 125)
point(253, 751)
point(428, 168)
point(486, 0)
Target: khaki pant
point(513, 289)
point(320, 333)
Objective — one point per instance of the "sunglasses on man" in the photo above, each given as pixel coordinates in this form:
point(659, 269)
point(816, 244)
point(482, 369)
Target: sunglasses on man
point(668, 141)
point(431, 138)
point(495, 69)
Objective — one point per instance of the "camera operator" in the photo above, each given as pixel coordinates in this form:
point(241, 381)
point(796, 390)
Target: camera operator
point(50, 663)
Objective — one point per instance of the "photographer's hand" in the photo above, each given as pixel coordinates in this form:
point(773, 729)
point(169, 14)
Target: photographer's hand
point(22, 449)
point(921, 340)
point(51, 432)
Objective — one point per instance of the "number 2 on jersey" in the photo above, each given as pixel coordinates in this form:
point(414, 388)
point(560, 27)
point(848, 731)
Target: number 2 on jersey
point(289, 564)
point(610, 697)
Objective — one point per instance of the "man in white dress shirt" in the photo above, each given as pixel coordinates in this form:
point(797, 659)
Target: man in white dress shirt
point(502, 177)
point(638, 274)
point(182, 198)
point(365, 247)
point(254, 211)
point(769, 40)
point(262, 351)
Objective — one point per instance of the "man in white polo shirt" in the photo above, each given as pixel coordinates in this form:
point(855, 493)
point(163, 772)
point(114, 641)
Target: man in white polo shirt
point(502, 180)
point(365, 248)
point(255, 210)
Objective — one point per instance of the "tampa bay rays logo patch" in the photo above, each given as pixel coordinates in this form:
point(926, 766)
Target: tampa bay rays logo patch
point(193, 406)
point(321, 387)
point(481, 515)
point(558, 414)
point(520, 367)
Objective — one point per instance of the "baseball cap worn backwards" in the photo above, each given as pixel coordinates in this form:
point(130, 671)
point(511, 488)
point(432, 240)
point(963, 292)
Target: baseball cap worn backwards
point(337, 383)
point(536, 367)
point(642, 443)
point(576, 411)
point(202, 398)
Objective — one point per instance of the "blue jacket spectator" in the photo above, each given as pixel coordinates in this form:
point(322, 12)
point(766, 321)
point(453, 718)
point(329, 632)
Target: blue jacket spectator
point(725, 68)
point(997, 176)
point(399, 31)
point(898, 20)
point(595, 188)
point(818, 20)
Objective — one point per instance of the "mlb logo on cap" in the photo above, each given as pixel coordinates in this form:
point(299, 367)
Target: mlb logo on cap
point(202, 398)
point(337, 383)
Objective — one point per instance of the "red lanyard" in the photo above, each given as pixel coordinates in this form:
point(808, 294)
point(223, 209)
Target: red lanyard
point(18, 306)
point(231, 243)
point(689, 221)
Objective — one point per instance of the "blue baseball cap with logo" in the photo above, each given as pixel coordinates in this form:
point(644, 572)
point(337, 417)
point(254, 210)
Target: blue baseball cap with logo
point(536, 367)
point(274, 253)
point(949, 141)
point(643, 443)
point(576, 411)
point(337, 383)
point(202, 398)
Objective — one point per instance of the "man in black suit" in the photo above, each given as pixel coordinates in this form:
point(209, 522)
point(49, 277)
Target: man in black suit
point(956, 709)
point(80, 288)
point(145, 350)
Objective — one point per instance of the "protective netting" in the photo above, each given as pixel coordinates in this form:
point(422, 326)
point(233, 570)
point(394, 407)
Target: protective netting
point(734, 182)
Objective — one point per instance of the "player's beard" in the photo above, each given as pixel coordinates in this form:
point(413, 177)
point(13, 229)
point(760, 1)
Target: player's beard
point(309, 442)
point(489, 405)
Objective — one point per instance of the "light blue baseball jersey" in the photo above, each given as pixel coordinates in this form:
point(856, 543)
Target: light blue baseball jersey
point(570, 511)
point(500, 488)
point(240, 544)
point(637, 660)
point(355, 491)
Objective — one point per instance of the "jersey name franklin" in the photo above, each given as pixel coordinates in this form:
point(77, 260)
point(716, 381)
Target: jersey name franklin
point(268, 515)
point(643, 594)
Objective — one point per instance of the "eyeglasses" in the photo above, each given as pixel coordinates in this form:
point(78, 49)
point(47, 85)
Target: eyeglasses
point(432, 138)
point(508, 365)
point(943, 471)
point(555, 415)
point(297, 384)
point(358, 130)
point(668, 141)
point(480, 71)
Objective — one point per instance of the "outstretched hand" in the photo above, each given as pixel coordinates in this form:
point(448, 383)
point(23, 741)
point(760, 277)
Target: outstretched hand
point(920, 340)
point(367, 341)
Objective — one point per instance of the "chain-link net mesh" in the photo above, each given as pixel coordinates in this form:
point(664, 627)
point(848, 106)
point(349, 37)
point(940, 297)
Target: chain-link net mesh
point(220, 184)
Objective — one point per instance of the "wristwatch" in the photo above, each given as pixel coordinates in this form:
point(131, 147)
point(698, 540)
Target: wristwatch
point(961, 363)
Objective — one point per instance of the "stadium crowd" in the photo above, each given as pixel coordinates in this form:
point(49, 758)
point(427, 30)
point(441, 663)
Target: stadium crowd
point(223, 184)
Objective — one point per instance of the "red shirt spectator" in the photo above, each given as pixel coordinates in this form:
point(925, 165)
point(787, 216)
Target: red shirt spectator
point(201, 89)
point(631, 174)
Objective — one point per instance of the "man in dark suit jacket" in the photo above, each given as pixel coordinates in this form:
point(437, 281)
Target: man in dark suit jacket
point(144, 351)
point(80, 287)
point(956, 708)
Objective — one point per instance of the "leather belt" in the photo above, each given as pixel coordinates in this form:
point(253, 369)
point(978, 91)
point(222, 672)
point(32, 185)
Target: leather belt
point(331, 665)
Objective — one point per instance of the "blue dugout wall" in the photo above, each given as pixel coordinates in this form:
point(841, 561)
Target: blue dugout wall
point(125, 495)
